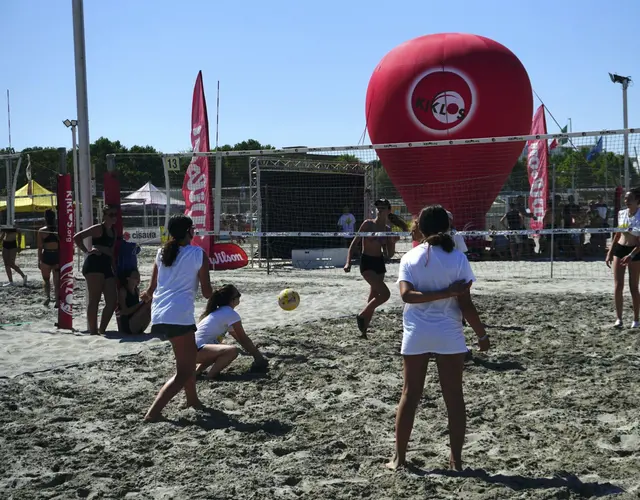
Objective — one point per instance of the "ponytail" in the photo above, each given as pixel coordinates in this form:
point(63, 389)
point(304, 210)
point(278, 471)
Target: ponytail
point(221, 297)
point(169, 252)
point(442, 240)
point(398, 221)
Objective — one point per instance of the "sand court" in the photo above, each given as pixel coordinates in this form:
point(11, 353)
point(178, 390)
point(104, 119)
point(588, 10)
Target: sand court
point(552, 408)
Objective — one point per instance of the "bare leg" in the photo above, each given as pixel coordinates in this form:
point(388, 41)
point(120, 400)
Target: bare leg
point(139, 321)
point(95, 284)
point(7, 264)
point(450, 368)
point(110, 300)
point(618, 280)
point(218, 355)
point(415, 371)
point(378, 295)
point(184, 349)
point(45, 270)
point(13, 253)
point(634, 276)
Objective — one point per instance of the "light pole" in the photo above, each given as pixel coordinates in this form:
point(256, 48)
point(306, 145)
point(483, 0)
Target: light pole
point(74, 154)
point(84, 160)
point(624, 81)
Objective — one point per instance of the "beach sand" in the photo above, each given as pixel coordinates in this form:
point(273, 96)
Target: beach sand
point(552, 408)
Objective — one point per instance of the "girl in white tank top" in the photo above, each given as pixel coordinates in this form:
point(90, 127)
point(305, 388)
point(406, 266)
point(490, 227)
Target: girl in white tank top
point(178, 269)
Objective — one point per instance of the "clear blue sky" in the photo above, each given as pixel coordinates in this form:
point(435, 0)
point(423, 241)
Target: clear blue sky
point(292, 72)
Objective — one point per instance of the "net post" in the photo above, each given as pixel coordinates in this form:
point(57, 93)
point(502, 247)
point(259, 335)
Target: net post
point(66, 226)
point(7, 162)
point(14, 186)
point(553, 216)
point(217, 199)
point(167, 189)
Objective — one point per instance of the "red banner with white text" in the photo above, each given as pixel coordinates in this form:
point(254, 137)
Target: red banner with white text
point(196, 187)
point(66, 227)
point(537, 167)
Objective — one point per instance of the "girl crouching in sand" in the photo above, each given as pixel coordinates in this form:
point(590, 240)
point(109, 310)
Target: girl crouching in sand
point(135, 309)
point(178, 268)
point(435, 281)
point(219, 317)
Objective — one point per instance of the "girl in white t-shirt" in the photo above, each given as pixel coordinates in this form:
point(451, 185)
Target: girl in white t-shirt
point(625, 253)
point(218, 318)
point(178, 269)
point(435, 281)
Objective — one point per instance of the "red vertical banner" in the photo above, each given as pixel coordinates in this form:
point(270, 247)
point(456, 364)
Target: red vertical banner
point(66, 227)
point(196, 187)
point(537, 167)
point(112, 197)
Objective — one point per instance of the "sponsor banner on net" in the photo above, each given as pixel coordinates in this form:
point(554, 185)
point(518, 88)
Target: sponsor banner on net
point(142, 235)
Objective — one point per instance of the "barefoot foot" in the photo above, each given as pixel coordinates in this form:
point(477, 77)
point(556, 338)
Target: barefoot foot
point(395, 464)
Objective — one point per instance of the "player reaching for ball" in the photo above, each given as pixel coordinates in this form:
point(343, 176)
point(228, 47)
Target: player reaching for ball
point(435, 281)
point(218, 318)
point(375, 251)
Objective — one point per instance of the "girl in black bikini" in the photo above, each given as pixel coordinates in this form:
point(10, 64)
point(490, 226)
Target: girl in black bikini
point(10, 237)
point(48, 248)
point(625, 253)
point(135, 314)
point(372, 261)
point(98, 269)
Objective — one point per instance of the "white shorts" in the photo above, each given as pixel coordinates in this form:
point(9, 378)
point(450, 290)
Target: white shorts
point(442, 341)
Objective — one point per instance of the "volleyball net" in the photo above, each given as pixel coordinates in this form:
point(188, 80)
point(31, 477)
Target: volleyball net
point(300, 207)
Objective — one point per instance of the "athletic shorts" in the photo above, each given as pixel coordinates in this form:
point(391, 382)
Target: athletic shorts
point(371, 263)
point(100, 264)
point(50, 257)
point(170, 331)
point(622, 251)
point(9, 245)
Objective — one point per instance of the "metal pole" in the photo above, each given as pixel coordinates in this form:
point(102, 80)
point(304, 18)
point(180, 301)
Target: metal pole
point(63, 160)
point(553, 215)
point(13, 190)
point(217, 199)
point(625, 118)
point(573, 168)
point(9, 198)
point(84, 159)
point(76, 181)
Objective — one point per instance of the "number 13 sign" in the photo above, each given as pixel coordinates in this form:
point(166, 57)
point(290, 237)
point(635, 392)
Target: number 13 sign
point(172, 163)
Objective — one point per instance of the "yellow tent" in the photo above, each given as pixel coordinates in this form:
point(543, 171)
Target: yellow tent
point(32, 197)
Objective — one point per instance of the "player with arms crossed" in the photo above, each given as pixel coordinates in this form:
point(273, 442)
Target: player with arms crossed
point(375, 251)
point(435, 281)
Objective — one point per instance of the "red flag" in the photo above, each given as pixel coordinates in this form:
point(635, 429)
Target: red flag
point(196, 187)
point(537, 159)
point(553, 145)
point(65, 251)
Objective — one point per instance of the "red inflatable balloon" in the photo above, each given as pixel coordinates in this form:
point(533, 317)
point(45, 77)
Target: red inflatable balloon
point(449, 86)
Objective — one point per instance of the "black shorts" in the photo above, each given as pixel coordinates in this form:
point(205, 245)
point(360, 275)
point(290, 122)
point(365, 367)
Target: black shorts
point(9, 245)
point(371, 263)
point(622, 251)
point(98, 264)
point(170, 331)
point(50, 257)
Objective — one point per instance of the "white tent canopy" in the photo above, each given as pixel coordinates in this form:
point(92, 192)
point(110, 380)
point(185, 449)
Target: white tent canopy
point(149, 196)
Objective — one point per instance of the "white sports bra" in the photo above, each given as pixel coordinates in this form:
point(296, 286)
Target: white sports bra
point(625, 220)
